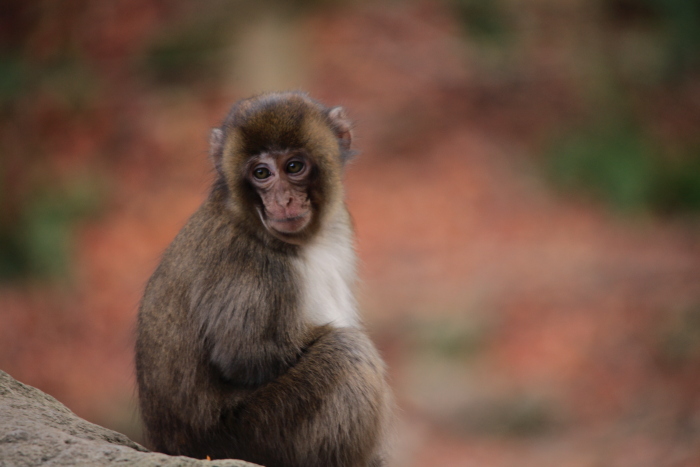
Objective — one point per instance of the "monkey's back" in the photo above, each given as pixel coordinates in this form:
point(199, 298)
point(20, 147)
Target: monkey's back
point(178, 394)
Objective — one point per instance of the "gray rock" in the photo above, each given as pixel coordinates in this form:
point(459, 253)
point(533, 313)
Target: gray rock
point(36, 429)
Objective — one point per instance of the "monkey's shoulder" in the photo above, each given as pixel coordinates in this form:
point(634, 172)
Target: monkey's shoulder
point(208, 237)
point(213, 252)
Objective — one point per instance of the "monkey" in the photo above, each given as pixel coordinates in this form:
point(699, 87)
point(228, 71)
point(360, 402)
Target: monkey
point(248, 341)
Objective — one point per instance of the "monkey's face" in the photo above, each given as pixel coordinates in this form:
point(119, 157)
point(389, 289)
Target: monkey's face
point(282, 179)
point(281, 156)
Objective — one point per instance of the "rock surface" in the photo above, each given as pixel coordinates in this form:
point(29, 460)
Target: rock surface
point(36, 429)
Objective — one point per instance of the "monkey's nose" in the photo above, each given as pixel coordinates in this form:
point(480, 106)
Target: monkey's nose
point(285, 200)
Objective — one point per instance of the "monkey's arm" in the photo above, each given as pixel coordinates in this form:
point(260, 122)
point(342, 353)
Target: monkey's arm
point(328, 409)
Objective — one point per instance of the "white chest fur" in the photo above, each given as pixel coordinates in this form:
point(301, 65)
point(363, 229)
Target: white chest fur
point(327, 270)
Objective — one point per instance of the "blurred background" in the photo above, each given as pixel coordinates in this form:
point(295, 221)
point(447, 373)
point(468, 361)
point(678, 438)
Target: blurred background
point(527, 203)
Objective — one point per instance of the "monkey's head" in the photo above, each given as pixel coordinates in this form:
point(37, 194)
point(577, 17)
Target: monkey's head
point(281, 158)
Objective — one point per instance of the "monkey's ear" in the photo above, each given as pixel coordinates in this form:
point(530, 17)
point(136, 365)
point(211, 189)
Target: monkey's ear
point(216, 147)
point(342, 127)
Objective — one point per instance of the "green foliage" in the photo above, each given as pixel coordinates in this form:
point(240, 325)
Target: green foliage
point(616, 165)
point(517, 415)
point(37, 216)
point(67, 79)
point(186, 54)
point(680, 339)
point(678, 185)
point(672, 24)
point(70, 81)
point(13, 77)
point(617, 161)
point(483, 19)
point(38, 242)
point(681, 20)
point(621, 166)
point(13, 257)
point(450, 338)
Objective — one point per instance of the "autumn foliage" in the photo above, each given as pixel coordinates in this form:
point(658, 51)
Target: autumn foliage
point(526, 204)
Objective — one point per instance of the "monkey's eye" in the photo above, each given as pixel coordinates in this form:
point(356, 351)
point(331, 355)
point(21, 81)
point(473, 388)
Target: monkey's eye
point(294, 167)
point(261, 173)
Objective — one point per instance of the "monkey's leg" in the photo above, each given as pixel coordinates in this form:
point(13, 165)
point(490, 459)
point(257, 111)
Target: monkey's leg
point(329, 409)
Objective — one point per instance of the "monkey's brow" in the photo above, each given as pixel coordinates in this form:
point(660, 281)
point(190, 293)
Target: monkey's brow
point(274, 156)
point(261, 157)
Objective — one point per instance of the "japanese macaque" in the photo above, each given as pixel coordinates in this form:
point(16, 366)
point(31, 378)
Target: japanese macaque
point(249, 345)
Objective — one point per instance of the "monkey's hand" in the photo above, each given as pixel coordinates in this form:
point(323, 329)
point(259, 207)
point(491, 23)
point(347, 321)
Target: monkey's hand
point(331, 405)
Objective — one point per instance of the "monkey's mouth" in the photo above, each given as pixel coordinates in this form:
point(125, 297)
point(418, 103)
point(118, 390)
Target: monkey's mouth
point(290, 225)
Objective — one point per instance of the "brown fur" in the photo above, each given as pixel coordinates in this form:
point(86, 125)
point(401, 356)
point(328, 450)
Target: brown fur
point(229, 363)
